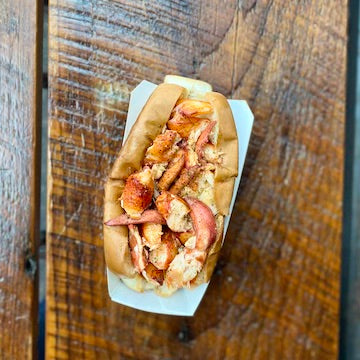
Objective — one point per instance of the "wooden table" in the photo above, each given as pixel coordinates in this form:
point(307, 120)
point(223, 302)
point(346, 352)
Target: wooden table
point(275, 292)
point(276, 289)
point(20, 110)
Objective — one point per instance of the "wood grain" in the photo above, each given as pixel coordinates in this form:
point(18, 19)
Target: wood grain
point(275, 291)
point(20, 116)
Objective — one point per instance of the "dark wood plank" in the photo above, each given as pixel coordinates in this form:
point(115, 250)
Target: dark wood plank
point(275, 293)
point(350, 269)
point(20, 117)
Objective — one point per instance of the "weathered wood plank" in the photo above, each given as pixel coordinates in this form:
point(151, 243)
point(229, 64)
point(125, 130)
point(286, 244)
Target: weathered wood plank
point(275, 292)
point(20, 111)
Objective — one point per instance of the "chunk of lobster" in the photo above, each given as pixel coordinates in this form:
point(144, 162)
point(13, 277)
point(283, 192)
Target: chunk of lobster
point(148, 216)
point(183, 237)
point(173, 171)
point(189, 262)
point(191, 158)
point(163, 148)
point(204, 138)
point(138, 193)
point(186, 175)
point(210, 154)
point(158, 169)
point(175, 211)
point(183, 125)
point(163, 255)
point(202, 188)
point(204, 223)
point(151, 233)
point(190, 108)
point(139, 255)
point(153, 275)
point(184, 268)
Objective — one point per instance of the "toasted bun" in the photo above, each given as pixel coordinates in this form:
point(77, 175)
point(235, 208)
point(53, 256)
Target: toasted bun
point(137, 283)
point(227, 145)
point(195, 89)
point(149, 124)
point(164, 291)
point(116, 248)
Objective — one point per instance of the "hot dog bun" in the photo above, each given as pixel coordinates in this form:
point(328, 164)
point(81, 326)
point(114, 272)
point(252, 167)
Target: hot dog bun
point(148, 126)
point(194, 89)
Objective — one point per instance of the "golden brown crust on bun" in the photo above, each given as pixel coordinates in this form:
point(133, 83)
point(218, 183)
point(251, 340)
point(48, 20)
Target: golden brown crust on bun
point(116, 248)
point(227, 145)
point(148, 125)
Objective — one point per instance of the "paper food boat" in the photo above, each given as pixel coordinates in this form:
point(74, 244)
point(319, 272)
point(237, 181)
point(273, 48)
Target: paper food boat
point(185, 301)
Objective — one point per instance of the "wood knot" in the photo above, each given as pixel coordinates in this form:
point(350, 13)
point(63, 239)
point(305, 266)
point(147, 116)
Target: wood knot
point(184, 334)
point(247, 6)
point(30, 265)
